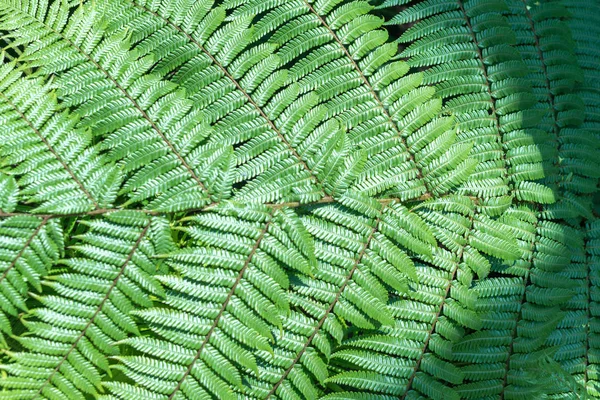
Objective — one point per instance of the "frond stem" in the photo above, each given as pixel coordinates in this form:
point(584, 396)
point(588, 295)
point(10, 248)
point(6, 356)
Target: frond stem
point(210, 207)
point(100, 211)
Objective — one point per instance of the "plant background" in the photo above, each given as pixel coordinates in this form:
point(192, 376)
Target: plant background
point(312, 209)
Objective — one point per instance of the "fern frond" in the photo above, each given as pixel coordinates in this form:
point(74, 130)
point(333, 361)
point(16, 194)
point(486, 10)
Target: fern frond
point(548, 49)
point(575, 334)
point(358, 252)
point(73, 334)
point(29, 247)
point(414, 357)
point(582, 23)
point(544, 269)
point(149, 125)
point(570, 338)
point(509, 357)
point(465, 47)
point(231, 289)
point(56, 166)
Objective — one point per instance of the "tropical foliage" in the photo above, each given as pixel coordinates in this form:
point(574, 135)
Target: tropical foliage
point(299, 199)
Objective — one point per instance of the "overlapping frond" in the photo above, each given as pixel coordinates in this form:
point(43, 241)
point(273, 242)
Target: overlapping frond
point(57, 167)
point(465, 49)
point(223, 306)
point(148, 124)
point(88, 306)
point(546, 46)
point(491, 73)
point(414, 357)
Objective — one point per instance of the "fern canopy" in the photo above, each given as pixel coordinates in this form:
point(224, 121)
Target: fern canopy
point(305, 199)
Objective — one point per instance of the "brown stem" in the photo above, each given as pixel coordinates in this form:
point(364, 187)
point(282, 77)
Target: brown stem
point(210, 207)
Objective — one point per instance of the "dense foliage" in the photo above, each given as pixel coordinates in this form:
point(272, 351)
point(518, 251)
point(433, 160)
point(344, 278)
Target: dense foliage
point(296, 199)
